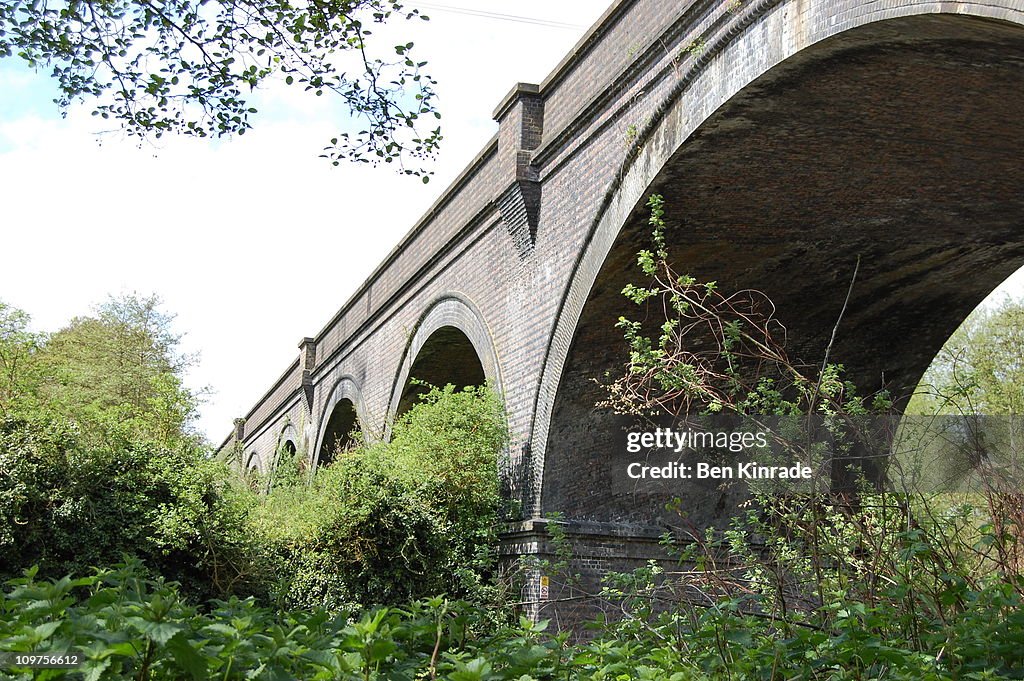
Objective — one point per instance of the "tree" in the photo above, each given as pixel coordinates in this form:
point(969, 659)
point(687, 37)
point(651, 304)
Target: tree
point(968, 403)
point(980, 369)
point(188, 66)
point(18, 346)
point(120, 369)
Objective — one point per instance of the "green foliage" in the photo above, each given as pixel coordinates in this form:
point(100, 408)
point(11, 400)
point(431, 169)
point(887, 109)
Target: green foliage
point(797, 590)
point(116, 375)
point(980, 369)
point(68, 503)
point(19, 374)
point(702, 350)
point(807, 587)
point(187, 66)
point(126, 626)
point(98, 462)
point(850, 584)
point(391, 522)
point(119, 373)
point(696, 47)
point(291, 471)
point(872, 586)
point(97, 458)
point(386, 523)
point(962, 429)
point(129, 627)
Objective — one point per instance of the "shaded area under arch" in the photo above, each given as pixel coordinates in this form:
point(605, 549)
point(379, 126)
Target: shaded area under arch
point(341, 425)
point(447, 357)
point(898, 142)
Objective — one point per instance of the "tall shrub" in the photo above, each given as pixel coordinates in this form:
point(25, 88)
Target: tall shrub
point(394, 521)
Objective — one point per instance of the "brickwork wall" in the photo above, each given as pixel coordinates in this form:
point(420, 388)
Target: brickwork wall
point(567, 594)
point(261, 445)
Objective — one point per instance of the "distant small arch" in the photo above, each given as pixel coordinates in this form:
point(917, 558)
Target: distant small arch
point(343, 413)
point(251, 473)
point(286, 445)
point(341, 424)
point(252, 462)
point(288, 448)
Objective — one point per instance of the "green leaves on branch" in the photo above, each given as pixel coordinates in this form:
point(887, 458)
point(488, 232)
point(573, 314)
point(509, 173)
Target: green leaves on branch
point(68, 503)
point(701, 349)
point(386, 523)
point(980, 370)
point(19, 373)
point(827, 591)
point(125, 625)
point(188, 66)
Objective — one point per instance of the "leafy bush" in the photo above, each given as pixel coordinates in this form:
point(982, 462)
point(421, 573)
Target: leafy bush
point(68, 503)
point(391, 522)
point(818, 587)
point(387, 523)
point(126, 626)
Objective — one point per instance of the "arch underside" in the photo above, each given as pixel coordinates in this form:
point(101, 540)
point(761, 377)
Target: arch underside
point(899, 143)
point(342, 418)
point(447, 357)
point(451, 345)
point(339, 433)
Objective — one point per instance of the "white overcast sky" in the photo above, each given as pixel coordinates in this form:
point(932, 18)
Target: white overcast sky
point(254, 242)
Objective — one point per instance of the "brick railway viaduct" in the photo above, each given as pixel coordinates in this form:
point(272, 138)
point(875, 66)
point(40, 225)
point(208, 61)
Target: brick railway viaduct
point(789, 137)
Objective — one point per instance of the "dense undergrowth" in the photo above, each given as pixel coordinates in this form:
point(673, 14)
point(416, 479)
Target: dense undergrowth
point(392, 521)
point(121, 540)
point(386, 523)
point(793, 591)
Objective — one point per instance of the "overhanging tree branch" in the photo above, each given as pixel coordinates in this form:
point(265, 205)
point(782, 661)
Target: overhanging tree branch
point(184, 66)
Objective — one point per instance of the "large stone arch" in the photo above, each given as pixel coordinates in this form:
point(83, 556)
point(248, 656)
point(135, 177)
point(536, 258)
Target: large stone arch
point(452, 311)
point(345, 392)
point(770, 43)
